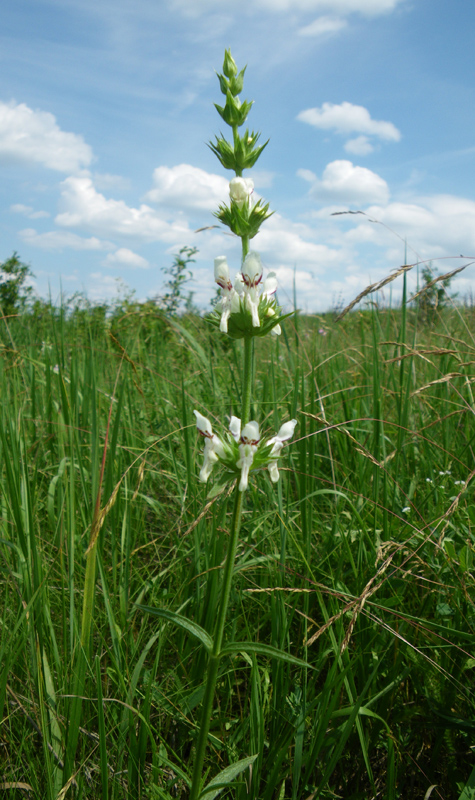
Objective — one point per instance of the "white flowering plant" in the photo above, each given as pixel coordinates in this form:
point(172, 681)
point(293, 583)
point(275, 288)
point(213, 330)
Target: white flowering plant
point(247, 308)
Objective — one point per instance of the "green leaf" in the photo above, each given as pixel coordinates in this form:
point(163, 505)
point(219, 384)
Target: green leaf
point(219, 487)
point(468, 791)
point(182, 622)
point(225, 777)
point(263, 650)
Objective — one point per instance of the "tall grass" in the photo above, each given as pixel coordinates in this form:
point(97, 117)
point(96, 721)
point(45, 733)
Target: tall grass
point(359, 562)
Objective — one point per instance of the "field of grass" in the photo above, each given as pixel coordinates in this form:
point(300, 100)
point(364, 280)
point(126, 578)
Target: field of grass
point(359, 561)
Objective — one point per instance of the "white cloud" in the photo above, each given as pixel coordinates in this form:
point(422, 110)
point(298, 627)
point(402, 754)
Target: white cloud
point(341, 7)
point(187, 187)
point(82, 206)
point(28, 211)
point(348, 118)
point(343, 182)
point(106, 182)
point(126, 258)
point(59, 240)
point(28, 136)
point(285, 244)
point(440, 225)
point(323, 25)
point(360, 146)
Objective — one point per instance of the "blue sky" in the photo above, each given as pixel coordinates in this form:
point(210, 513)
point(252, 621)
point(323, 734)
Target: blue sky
point(106, 107)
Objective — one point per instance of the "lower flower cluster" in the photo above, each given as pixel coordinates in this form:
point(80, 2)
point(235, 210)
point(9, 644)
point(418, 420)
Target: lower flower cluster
point(242, 450)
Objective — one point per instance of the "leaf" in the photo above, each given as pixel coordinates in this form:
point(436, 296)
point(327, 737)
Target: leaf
point(263, 650)
point(225, 777)
point(182, 622)
point(468, 791)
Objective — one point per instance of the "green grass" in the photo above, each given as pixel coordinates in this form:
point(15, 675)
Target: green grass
point(379, 601)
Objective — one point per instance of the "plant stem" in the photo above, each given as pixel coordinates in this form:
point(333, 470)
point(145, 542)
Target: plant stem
point(88, 600)
point(247, 380)
point(213, 663)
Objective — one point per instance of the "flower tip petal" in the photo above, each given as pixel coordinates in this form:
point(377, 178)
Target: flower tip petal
point(235, 428)
point(250, 432)
point(273, 472)
point(287, 430)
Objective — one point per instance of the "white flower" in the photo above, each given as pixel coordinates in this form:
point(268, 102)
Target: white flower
point(252, 270)
point(246, 452)
point(248, 291)
point(277, 330)
point(240, 189)
point(246, 284)
point(270, 285)
point(247, 449)
point(213, 448)
point(286, 431)
point(405, 510)
point(235, 428)
point(221, 273)
point(225, 304)
point(250, 433)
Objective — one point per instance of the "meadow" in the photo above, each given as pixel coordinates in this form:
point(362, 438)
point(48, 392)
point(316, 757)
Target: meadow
point(358, 564)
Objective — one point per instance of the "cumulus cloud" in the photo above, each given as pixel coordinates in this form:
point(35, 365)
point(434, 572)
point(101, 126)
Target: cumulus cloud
point(187, 187)
point(323, 25)
point(34, 137)
point(285, 244)
point(440, 225)
point(348, 118)
point(59, 240)
point(124, 257)
point(343, 182)
point(83, 206)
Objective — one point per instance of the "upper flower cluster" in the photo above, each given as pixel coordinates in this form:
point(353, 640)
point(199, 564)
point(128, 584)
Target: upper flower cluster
point(249, 307)
point(243, 450)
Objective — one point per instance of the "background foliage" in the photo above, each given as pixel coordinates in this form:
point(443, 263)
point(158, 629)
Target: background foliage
point(359, 562)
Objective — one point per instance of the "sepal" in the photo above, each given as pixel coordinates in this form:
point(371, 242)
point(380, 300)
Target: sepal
point(243, 221)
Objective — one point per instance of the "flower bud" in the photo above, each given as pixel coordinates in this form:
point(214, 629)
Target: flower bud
point(229, 65)
point(240, 190)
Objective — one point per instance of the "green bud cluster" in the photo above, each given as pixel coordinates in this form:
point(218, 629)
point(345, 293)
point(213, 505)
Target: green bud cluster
point(242, 155)
point(243, 221)
point(243, 152)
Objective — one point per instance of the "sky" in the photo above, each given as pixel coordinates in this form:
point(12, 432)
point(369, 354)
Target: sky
point(106, 108)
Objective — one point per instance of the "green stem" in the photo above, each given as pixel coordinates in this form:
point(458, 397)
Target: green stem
point(247, 380)
point(235, 142)
point(88, 599)
point(213, 663)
